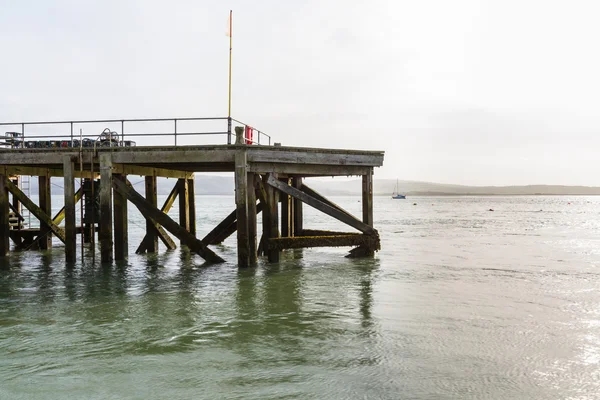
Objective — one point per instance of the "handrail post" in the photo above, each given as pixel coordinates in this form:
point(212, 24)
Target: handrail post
point(71, 134)
point(228, 130)
point(175, 131)
point(122, 132)
point(23, 134)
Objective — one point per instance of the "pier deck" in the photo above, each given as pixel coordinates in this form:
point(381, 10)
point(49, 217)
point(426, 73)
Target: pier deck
point(268, 179)
point(211, 158)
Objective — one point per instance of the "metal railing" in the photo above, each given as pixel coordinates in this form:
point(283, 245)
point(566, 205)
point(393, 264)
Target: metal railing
point(123, 132)
point(259, 134)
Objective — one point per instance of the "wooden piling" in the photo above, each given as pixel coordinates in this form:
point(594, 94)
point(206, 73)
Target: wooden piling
point(367, 198)
point(252, 211)
point(272, 228)
point(151, 198)
point(154, 229)
point(120, 221)
point(241, 204)
point(297, 209)
point(184, 205)
point(69, 193)
point(44, 190)
point(4, 226)
point(285, 212)
point(88, 214)
point(87, 196)
point(16, 204)
point(261, 191)
point(105, 234)
point(192, 205)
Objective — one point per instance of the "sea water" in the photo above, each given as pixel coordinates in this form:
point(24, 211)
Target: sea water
point(460, 303)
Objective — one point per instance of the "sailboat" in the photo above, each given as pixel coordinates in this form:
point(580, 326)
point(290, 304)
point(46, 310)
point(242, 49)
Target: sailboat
point(395, 194)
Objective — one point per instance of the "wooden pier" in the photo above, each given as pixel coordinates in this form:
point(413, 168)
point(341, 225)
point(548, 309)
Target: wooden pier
point(268, 180)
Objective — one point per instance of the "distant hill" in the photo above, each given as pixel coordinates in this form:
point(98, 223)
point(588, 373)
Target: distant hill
point(415, 188)
point(224, 185)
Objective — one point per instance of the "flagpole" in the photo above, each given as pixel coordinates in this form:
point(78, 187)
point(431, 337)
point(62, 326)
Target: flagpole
point(230, 47)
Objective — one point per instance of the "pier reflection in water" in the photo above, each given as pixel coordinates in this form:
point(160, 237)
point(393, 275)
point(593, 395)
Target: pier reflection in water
point(160, 324)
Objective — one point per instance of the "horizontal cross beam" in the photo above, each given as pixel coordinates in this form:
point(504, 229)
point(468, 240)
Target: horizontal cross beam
point(356, 239)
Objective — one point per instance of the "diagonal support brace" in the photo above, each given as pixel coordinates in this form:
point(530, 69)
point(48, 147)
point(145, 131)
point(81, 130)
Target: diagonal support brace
point(159, 231)
point(340, 215)
point(163, 219)
point(35, 210)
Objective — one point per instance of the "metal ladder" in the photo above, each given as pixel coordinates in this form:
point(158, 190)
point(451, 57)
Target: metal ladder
point(25, 186)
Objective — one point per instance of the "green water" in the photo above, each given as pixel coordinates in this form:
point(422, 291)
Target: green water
point(164, 329)
point(460, 303)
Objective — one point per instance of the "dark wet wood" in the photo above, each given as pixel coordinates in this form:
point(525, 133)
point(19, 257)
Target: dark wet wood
point(192, 205)
point(45, 200)
point(184, 205)
point(272, 227)
point(106, 227)
point(297, 216)
point(69, 194)
point(299, 242)
point(252, 219)
point(367, 198)
point(150, 241)
point(4, 224)
point(158, 230)
point(285, 211)
point(241, 207)
point(121, 223)
point(164, 220)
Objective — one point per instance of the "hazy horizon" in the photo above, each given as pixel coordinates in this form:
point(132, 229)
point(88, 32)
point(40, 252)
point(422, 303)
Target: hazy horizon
point(377, 177)
point(210, 184)
point(466, 92)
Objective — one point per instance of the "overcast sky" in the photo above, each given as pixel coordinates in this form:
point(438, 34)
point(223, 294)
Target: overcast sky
point(471, 92)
